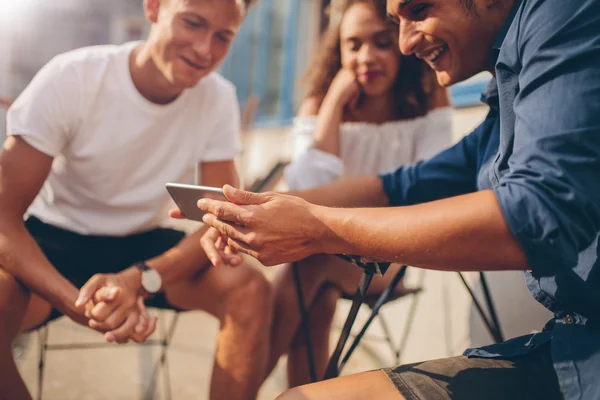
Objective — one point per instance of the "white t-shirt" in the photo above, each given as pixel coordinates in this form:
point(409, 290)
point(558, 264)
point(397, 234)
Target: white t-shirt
point(366, 149)
point(113, 149)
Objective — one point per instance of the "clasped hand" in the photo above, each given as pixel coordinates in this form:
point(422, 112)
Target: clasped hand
point(114, 306)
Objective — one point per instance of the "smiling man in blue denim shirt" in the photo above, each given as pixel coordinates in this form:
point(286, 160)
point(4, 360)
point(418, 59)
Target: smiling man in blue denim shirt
point(521, 192)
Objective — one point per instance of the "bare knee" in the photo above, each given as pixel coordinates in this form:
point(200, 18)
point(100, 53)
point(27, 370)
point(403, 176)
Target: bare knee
point(292, 394)
point(13, 303)
point(326, 303)
point(315, 267)
point(320, 314)
point(249, 298)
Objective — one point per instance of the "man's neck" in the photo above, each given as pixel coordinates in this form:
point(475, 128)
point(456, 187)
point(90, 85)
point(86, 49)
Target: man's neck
point(505, 17)
point(148, 79)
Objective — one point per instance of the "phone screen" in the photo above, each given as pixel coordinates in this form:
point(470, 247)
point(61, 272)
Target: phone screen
point(186, 197)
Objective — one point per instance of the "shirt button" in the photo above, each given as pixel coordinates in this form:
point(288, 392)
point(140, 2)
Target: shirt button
point(569, 320)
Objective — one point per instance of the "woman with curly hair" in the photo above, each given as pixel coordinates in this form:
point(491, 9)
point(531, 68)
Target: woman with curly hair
point(368, 109)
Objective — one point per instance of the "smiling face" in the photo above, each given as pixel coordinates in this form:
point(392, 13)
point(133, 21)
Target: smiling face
point(190, 38)
point(454, 39)
point(368, 48)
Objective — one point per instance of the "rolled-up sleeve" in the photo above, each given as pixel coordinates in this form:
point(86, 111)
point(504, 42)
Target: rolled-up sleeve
point(450, 173)
point(550, 194)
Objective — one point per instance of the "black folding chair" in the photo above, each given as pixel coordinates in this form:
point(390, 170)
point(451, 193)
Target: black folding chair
point(165, 338)
point(370, 268)
point(334, 366)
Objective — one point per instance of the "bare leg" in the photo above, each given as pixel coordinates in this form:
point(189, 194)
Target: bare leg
point(241, 298)
point(365, 386)
point(320, 320)
point(315, 272)
point(14, 315)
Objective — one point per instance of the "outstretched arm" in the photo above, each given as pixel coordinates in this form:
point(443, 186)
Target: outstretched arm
point(462, 233)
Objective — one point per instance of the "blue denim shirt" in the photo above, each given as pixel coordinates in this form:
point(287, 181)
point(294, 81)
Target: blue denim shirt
point(539, 151)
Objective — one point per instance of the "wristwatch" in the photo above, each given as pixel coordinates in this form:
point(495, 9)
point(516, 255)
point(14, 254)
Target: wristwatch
point(151, 280)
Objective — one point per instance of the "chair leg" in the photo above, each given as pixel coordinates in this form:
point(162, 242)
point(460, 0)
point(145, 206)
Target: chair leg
point(411, 316)
point(164, 355)
point(388, 337)
point(491, 308)
point(486, 321)
point(163, 362)
point(383, 298)
point(333, 368)
point(43, 342)
point(304, 323)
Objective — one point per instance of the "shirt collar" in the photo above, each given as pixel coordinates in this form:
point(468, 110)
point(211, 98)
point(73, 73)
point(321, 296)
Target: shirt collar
point(490, 95)
point(506, 26)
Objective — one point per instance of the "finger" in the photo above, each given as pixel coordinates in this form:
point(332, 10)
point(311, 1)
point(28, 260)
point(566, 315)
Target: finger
point(176, 213)
point(211, 252)
point(242, 247)
point(220, 243)
point(112, 321)
point(141, 337)
point(231, 256)
point(107, 294)
point(102, 311)
point(87, 291)
point(124, 331)
point(227, 249)
point(222, 209)
point(142, 306)
point(234, 261)
point(226, 229)
point(244, 197)
point(142, 324)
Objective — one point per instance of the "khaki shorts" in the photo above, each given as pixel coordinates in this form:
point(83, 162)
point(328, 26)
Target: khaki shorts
point(526, 377)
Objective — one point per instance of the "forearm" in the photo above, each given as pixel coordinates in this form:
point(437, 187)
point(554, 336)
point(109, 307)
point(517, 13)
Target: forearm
point(181, 261)
point(350, 192)
point(188, 257)
point(464, 233)
point(21, 256)
point(327, 133)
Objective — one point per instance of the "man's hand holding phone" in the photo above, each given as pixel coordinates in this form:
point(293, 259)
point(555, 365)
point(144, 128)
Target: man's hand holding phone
point(214, 244)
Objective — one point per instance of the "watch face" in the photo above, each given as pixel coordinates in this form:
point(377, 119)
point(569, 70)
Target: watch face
point(151, 281)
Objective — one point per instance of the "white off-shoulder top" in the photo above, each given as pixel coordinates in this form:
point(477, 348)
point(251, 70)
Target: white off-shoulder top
point(366, 149)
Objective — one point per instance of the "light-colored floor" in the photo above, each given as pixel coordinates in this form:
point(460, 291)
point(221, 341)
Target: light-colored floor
point(444, 325)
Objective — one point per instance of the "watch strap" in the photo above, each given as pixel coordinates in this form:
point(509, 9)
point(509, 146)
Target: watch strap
point(143, 267)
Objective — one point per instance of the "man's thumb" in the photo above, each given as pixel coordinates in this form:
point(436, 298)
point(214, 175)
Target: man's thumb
point(242, 197)
point(87, 291)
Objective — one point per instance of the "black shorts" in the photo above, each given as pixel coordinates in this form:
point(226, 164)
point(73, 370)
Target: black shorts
point(78, 257)
point(527, 377)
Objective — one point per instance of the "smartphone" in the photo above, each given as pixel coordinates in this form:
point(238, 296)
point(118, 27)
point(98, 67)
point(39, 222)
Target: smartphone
point(186, 197)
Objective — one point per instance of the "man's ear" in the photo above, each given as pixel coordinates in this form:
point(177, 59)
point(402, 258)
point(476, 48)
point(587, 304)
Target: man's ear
point(151, 9)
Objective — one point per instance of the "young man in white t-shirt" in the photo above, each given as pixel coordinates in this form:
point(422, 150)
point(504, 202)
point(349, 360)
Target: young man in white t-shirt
point(92, 142)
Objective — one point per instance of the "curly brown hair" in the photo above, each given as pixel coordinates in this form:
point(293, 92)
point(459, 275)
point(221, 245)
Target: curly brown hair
point(414, 84)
